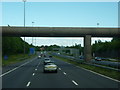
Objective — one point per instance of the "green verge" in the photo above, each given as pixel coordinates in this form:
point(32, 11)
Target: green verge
point(12, 59)
point(110, 73)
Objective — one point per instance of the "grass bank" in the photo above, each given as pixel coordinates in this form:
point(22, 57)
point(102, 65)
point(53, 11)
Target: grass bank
point(106, 72)
point(15, 58)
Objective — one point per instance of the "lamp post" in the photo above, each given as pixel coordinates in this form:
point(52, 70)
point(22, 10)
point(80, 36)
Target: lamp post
point(32, 37)
point(24, 23)
point(98, 24)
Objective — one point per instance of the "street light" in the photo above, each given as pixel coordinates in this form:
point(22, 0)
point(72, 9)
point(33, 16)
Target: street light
point(24, 23)
point(98, 24)
point(32, 37)
point(24, 11)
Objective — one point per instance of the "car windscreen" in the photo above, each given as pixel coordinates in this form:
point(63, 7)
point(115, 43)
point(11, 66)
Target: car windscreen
point(47, 59)
point(50, 64)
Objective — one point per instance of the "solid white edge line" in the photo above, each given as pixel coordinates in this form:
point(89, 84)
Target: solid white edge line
point(28, 84)
point(8, 72)
point(14, 69)
point(99, 74)
point(67, 62)
point(74, 82)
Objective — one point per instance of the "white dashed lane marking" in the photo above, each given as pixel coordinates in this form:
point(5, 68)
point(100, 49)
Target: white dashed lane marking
point(38, 65)
point(33, 74)
point(28, 84)
point(74, 82)
point(64, 73)
point(59, 68)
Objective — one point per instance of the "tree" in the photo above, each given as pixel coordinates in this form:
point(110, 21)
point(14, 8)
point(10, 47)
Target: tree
point(13, 45)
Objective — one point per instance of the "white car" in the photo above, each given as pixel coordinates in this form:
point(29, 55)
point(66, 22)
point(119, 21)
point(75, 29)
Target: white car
point(50, 67)
point(39, 57)
point(47, 60)
point(98, 59)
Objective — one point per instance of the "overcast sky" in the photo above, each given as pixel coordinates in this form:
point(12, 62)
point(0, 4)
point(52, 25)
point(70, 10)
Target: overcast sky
point(61, 41)
point(61, 14)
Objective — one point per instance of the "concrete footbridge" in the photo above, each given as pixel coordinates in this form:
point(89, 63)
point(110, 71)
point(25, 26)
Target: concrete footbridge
point(86, 32)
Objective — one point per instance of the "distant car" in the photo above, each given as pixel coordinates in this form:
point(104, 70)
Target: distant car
point(50, 56)
point(58, 53)
point(98, 59)
point(50, 67)
point(46, 60)
point(39, 57)
point(103, 58)
point(81, 57)
point(44, 55)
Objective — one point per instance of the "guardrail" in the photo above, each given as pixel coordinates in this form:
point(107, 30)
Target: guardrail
point(83, 62)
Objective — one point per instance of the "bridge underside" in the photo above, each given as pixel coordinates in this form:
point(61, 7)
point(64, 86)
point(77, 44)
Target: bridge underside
point(59, 32)
point(87, 33)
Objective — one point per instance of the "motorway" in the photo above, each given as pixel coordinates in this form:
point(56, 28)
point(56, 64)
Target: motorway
point(29, 74)
point(102, 62)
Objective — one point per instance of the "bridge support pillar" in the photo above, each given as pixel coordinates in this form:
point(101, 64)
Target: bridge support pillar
point(87, 48)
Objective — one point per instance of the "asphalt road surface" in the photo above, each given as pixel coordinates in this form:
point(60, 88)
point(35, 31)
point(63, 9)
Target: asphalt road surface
point(29, 74)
